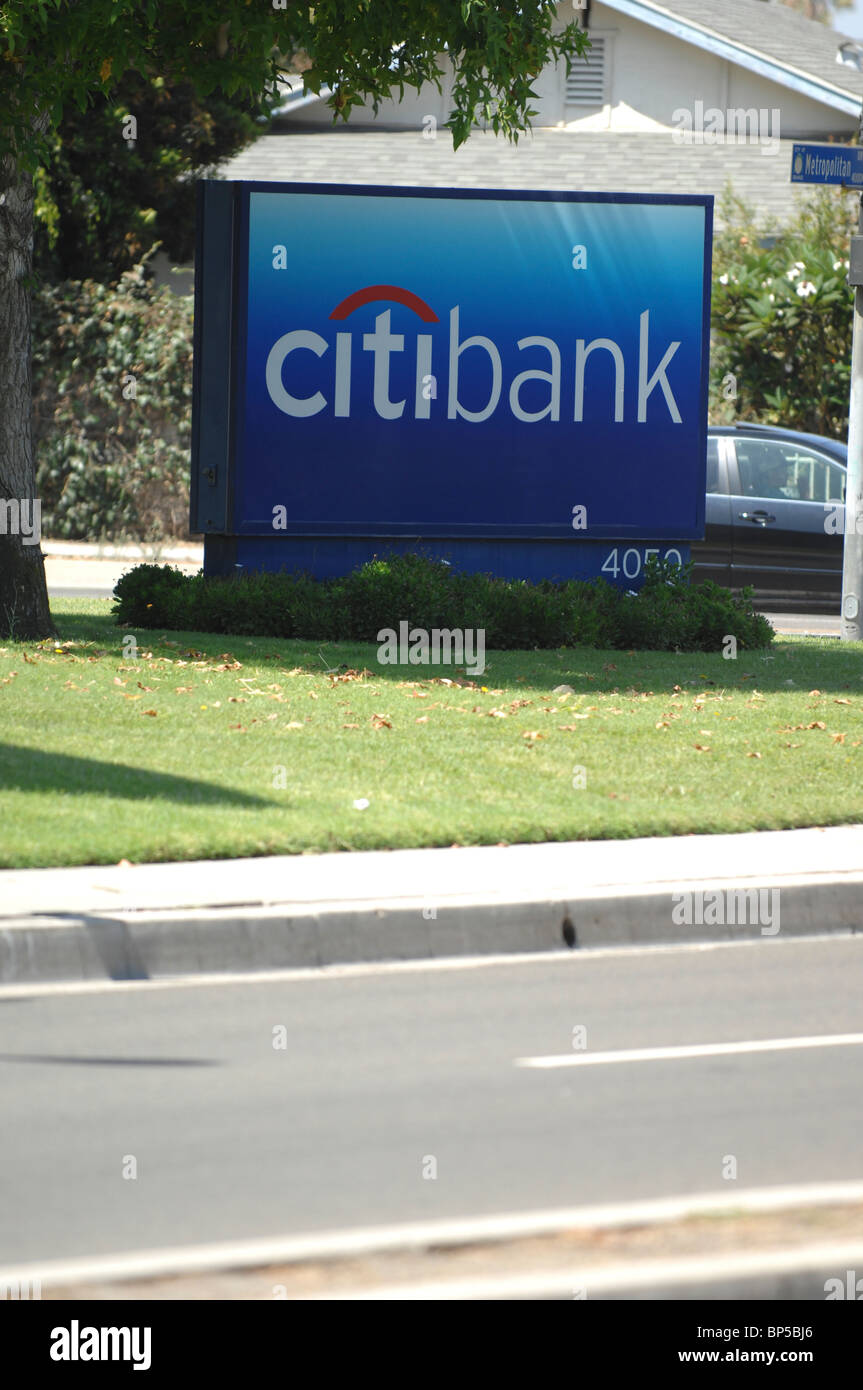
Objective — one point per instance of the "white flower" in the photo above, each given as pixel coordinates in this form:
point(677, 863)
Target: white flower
point(772, 298)
point(723, 279)
point(837, 265)
point(805, 288)
point(361, 803)
point(792, 274)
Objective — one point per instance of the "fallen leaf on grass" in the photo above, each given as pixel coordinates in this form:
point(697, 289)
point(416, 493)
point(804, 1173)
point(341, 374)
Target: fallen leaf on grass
point(350, 726)
point(423, 719)
point(838, 738)
point(379, 721)
point(701, 748)
point(753, 755)
point(532, 735)
point(153, 712)
point(350, 675)
point(294, 725)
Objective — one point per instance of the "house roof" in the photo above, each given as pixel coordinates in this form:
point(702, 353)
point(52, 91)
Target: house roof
point(767, 38)
point(601, 161)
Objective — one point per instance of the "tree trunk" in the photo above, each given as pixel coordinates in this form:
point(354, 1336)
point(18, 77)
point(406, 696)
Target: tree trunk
point(24, 610)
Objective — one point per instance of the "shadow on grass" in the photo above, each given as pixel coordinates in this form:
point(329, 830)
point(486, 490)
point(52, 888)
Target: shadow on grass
point(31, 770)
point(823, 663)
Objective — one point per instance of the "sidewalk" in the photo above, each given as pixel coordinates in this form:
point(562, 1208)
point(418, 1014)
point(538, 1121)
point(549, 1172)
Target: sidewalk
point(156, 920)
point(142, 554)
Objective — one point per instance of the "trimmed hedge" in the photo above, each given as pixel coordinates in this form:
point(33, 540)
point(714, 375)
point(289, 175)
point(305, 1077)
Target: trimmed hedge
point(667, 615)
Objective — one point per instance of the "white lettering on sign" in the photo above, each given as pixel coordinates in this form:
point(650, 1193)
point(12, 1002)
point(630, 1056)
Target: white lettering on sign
point(602, 360)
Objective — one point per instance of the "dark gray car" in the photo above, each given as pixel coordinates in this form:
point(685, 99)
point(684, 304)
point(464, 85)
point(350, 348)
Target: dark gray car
point(774, 517)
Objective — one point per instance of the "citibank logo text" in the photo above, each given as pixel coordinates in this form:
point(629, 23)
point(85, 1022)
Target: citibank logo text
point(634, 382)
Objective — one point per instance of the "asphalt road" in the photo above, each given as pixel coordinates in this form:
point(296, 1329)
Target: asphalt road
point(384, 1070)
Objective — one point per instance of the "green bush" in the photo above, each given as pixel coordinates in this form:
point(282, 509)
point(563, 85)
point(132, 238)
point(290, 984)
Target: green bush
point(667, 615)
point(112, 379)
point(781, 318)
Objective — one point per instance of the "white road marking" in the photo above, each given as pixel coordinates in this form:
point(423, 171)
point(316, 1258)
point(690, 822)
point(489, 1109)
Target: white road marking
point(664, 1054)
point(323, 1245)
point(361, 969)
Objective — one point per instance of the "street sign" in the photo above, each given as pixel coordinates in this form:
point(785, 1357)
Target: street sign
point(842, 164)
point(500, 374)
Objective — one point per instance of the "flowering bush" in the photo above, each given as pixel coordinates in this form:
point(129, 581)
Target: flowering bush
point(112, 378)
point(781, 319)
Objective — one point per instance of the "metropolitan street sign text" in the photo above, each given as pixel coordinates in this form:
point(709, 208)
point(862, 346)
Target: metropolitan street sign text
point(841, 164)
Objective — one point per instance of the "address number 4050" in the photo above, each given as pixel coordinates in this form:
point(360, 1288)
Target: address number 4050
point(632, 561)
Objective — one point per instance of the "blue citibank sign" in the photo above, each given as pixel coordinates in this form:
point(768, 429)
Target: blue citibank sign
point(513, 380)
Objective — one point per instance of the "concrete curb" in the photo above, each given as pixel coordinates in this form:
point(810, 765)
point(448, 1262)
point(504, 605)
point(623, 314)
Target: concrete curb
point(149, 945)
point(773, 1275)
point(148, 921)
point(652, 1277)
point(153, 554)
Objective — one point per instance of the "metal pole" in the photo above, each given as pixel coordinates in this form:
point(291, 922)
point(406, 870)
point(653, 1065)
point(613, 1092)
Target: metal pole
point(852, 552)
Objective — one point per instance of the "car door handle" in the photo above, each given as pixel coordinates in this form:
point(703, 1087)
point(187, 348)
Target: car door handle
point(760, 518)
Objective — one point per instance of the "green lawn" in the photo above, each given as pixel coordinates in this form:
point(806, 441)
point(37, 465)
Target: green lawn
point(215, 747)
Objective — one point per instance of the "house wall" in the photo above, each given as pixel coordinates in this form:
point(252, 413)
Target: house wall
point(649, 76)
point(406, 114)
point(652, 74)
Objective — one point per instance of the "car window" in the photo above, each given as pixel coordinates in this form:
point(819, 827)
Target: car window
point(713, 465)
point(770, 468)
